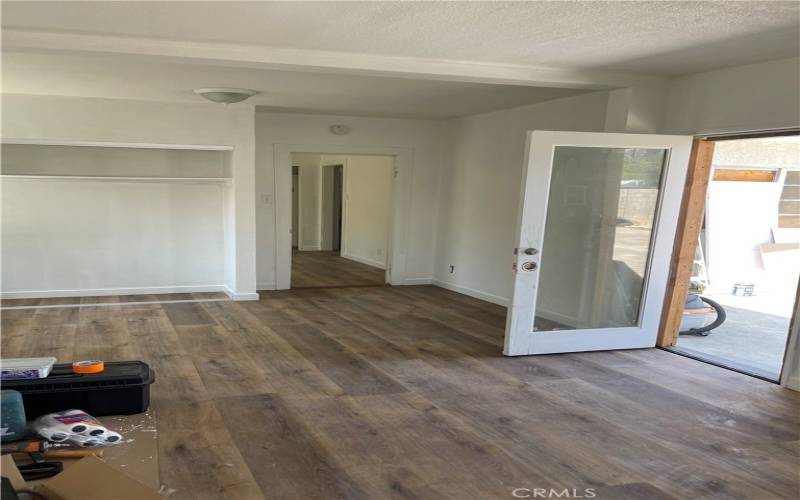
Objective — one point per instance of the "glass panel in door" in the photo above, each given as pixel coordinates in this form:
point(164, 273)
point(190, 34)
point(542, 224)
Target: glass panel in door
point(598, 237)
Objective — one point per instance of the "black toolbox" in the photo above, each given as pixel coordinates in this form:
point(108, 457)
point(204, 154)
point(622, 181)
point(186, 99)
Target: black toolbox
point(123, 388)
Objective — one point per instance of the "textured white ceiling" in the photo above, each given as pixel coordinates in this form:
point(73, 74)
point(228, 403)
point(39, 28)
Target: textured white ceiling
point(140, 78)
point(659, 37)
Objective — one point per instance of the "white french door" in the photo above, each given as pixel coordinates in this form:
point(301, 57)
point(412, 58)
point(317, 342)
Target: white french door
point(596, 224)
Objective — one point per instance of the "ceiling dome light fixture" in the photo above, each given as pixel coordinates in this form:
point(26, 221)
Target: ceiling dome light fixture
point(225, 95)
point(339, 129)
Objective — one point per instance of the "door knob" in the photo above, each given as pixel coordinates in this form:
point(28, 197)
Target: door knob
point(531, 251)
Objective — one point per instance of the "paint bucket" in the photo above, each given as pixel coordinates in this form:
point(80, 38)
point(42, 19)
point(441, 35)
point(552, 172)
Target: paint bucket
point(12, 414)
point(741, 289)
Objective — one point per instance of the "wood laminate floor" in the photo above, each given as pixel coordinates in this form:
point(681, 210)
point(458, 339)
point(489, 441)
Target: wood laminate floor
point(314, 269)
point(112, 299)
point(401, 392)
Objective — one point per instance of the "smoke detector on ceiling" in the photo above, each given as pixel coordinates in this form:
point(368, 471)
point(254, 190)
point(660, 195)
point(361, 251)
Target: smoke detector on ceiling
point(225, 95)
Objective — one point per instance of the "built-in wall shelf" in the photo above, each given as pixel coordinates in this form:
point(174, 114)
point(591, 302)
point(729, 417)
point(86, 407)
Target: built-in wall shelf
point(110, 178)
point(133, 145)
point(117, 162)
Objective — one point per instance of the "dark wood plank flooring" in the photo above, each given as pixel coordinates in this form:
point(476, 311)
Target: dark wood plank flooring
point(314, 269)
point(111, 299)
point(401, 392)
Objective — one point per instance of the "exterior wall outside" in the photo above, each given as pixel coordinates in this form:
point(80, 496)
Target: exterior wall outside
point(743, 216)
point(637, 205)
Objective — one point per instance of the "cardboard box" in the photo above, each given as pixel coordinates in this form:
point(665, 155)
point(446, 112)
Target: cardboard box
point(9, 469)
point(92, 479)
point(87, 479)
point(127, 471)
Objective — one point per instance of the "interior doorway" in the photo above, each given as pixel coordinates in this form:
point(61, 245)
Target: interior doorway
point(295, 204)
point(332, 205)
point(342, 220)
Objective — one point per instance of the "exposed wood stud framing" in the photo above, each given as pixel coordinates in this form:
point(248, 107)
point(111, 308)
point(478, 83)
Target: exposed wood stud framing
point(689, 223)
point(743, 175)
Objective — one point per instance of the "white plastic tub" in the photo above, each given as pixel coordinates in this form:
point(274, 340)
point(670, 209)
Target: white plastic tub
point(25, 368)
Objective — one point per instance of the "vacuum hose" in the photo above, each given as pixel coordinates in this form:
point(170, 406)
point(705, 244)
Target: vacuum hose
point(717, 322)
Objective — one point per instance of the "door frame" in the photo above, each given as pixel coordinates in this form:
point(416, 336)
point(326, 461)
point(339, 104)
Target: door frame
point(400, 220)
point(296, 234)
point(331, 165)
point(519, 338)
point(690, 221)
point(337, 230)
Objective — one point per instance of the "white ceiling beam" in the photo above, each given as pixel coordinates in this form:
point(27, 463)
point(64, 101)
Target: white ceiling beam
point(282, 58)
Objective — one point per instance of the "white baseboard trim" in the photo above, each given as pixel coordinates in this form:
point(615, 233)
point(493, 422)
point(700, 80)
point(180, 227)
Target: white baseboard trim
point(92, 292)
point(488, 297)
point(115, 304)
point(369, 262)
point(309, 248)
point(266, 286)
point(417, 281)
point(241, 296)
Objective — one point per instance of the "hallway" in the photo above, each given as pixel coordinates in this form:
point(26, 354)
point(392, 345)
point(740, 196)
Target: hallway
point(316, 269)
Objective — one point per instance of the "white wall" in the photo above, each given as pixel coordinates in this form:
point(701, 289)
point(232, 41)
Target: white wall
point(743, 98)
point(748, 98)
point(308, 202)
point(483, 164)
point(90, 237)
point(421, 139)
point(367, 205)
point(480, 189)
point(123, 121)
point(739, 218)
point(477, 158)
point(640, 110)
point(77, 224)
point(328, 167)
point(119, 162)
point(367, 209)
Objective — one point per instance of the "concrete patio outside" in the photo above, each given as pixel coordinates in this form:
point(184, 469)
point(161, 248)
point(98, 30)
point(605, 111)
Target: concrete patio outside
point(753, 337)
